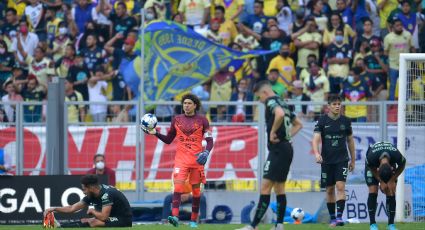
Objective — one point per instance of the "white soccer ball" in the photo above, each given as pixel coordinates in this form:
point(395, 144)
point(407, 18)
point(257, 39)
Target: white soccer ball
point(297, 214)
point(149, 121)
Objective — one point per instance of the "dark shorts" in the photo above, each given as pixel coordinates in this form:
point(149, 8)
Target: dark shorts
point(276, 168)
point(335, 84)
point(113, 222)
point(331, 173)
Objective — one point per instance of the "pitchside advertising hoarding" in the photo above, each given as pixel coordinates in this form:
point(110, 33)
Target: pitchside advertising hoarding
point(24, 198)
point(356, 204)
point(235, 147)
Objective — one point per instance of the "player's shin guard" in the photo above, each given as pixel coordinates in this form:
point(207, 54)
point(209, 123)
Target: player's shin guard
point(281, 207)
point(391, 209)
point(177, 198)
point(371, 205)
point(196, 192)
point(331, 209)
point(263, 205)
point(340, 205)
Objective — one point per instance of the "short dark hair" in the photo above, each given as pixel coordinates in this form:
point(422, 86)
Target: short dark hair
point(259, 2)
point(334, 98)
point(98, 155)
point(396, 20)
point(120, 3)
point(13, 10)
point(193, 98)
point(367, 20)
point(274, 70)
point(220, 8)
point(356, 70)
point(385, 172)
point(89, 180)
point(260, 85)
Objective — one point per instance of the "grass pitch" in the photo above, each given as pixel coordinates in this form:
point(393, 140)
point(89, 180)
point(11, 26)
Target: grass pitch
point(400, 226)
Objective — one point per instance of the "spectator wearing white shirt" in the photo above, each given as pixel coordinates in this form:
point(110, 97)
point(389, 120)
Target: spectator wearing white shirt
point(195, 12)
point(34, 13)
point(97, 87)
point(284, 15)
point(29, 42)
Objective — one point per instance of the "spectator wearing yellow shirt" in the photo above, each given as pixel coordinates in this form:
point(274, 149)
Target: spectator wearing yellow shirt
point(385, 9)
point(227, 31)
point(213, 33)
point(270, 8)
point(305, 72)
point(233, 8)
point(308, 43)
point(397, 42)
point(335, 22)
point(60, 43)
point(76, 113)
point(52, 24)
point(338, 55)
point(356, 90)
point(195, 12)
point(285, 65)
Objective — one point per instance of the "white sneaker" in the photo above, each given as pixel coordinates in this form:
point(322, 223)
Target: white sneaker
point(248, 227)
point(277, 227)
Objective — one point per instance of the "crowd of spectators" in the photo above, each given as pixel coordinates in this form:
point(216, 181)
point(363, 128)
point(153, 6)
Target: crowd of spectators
point(320, 47)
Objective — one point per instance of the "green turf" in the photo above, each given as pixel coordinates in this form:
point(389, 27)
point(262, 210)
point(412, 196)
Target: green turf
point(407, 226)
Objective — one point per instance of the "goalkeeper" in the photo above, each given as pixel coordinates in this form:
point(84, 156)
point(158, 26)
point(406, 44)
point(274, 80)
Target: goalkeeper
point(189, 129)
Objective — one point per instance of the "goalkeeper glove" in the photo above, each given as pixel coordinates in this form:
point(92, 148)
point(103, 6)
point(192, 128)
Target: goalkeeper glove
point(149, 131)
point(202, 157)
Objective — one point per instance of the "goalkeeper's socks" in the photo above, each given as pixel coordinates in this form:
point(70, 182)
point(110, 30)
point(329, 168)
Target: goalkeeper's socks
point(195, 208)
point(391, 203)
point(371, 205)
point(75, 224)
point(177, 197)
point(340, 205)
point(262, 207)
point(331, 209)
point(281, 207)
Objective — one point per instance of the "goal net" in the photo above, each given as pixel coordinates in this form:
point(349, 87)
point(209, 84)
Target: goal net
point(411, 134)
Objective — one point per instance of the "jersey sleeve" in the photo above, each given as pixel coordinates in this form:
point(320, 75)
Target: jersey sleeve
point(349, 130)
point(86, 200)
point(401, 160)
point(107, 199)
point(318, 128)
point(272, 104)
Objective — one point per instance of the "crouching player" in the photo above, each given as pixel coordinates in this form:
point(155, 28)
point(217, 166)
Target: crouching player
point(111, 207)
point(384, 163)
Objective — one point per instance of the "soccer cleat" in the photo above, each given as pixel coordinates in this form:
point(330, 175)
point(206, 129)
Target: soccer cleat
point(339, 222)
point(332, 224)
point(193, 224)
point(391, 227)
point(248, 227)
point(174, 220)
point(277, 227)
point(373, 227)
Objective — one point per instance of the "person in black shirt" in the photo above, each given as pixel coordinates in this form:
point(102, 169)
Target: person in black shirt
point(384, 163)
point(334, 131)
point(122, 23)
point(12, 22)
point(282, 125)
point(111, 207)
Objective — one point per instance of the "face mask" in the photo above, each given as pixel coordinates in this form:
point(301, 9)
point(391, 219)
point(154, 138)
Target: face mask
point(339, 39)
point(350, 79)
point(284, 54)
point(63, 31)
point(149, 16)
point(100, 165)
point(2, 50)
point(24, 29)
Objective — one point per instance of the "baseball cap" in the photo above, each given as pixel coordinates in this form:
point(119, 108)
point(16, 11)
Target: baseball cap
point(375, 42)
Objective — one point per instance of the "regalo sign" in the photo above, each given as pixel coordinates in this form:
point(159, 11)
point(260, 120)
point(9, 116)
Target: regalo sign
point(24, 198)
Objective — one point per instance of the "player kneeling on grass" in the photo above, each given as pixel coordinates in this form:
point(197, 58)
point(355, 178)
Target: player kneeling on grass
point(111, 207)
point(384, 163)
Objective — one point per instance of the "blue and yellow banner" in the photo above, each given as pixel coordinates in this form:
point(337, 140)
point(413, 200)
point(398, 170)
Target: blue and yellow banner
point(178, 59)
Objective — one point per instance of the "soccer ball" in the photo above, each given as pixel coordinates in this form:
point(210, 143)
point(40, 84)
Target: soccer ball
point(297, 214)
point(149, 121)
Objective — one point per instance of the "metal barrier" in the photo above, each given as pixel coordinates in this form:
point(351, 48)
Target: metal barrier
point(126, 147)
